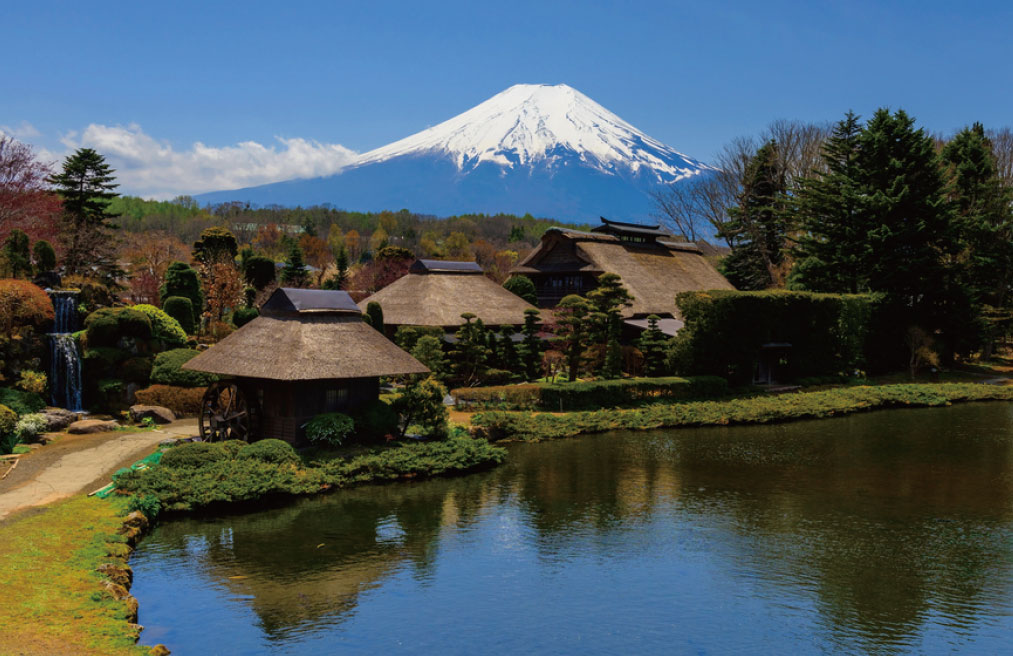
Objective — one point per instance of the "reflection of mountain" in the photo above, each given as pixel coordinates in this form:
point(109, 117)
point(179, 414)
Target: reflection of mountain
point(885, 525)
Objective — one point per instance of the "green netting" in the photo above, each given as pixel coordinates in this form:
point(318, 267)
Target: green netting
point(143, 463)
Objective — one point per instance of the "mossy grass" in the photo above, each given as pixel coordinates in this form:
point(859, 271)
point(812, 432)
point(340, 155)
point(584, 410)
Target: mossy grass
point(529, 426)
point(53, 600)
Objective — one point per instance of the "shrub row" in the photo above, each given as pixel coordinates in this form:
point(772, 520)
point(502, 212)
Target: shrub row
point(183, 401)
point(755, 410)
point(168, 370)
point(190, 480)
point(590, 395)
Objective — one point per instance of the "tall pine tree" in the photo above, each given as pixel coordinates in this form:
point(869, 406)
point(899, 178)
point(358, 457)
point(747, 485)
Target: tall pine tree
point(86, 184)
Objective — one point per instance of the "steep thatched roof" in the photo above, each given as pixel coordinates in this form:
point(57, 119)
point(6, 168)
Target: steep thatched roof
point(441, 292)
point(654, 272)
point(306, 335)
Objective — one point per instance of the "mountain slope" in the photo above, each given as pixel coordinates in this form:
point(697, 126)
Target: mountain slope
point(547, 150)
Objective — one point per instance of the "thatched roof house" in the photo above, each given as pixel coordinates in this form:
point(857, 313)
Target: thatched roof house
point(437, 293)
point(652, 265)
point(308, 352)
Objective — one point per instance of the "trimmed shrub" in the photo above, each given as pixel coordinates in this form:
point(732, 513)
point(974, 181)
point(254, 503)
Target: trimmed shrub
point(22, 403)
point(163, 327)
point(194, 454)
point(244, 315)
point(182, 280)
point(183, 401)
point(167, 370)
point(375, 419)
point(44, 255)
point(330, 428)
point(23, 304)
point(233, 447)
point(8, 420)
point(180, 308)
point(278, 452)
point(591, 395)
point(523, 287)
point(259, 271)
point(106, 326)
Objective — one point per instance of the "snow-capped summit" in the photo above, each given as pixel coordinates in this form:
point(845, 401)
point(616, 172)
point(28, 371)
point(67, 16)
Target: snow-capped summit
point(540, 123)
point(547, 150)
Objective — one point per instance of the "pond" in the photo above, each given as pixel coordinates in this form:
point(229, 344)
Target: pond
point(889, 532)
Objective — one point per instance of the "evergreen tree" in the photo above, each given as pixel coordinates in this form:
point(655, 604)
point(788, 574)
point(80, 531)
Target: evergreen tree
point(571, 316)
point(86, 184)
point(509, 359)
point(758, 226)
point(613, 365)
point(833, 252)
point(17, 257)
point(258, 271)
point(531, 346)
point(294, 273)
point(654, 345)
point(523, 287)
point(429, 351)
point(470, 354)
point(44, 256)
point(607, 301)
point(375, 314)
point(341, 279)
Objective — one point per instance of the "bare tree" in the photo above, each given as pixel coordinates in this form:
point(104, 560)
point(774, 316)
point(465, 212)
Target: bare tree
point(1002, 148)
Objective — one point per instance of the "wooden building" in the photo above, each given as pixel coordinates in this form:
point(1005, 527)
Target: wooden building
point(437, 293)
point(308, 352)
point(653, 266)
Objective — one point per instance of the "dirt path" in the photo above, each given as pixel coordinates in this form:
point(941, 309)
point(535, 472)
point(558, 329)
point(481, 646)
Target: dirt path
point(79, 463)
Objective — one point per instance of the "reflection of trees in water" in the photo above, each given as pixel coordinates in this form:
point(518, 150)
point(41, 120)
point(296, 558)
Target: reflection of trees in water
point(884, 523)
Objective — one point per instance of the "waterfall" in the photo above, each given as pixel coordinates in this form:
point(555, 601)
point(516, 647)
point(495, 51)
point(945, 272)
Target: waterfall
point(65, 361)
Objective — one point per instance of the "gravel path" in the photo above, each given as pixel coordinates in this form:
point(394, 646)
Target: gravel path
point(79, 463)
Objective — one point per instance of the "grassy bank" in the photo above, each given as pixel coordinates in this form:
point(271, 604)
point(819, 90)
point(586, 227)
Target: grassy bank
point(53, 599)
point(755, 410)
point(219, 477)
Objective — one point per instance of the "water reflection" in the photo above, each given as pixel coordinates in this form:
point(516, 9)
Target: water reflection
point(884, 532)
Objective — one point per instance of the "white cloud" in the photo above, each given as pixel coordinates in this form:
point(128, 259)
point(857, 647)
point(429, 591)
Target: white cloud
point(21, 132)
point(151, 168)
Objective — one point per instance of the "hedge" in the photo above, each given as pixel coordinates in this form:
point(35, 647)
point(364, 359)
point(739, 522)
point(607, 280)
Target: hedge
point(590, 395)
point(183, 401)
point(168, 370)
point(725, 330)
point(163, 327)
point(755, 410)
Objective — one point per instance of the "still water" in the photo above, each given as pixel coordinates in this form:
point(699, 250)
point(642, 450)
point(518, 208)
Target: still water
point(889, 532)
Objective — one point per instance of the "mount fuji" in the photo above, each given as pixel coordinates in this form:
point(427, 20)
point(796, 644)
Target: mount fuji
point(544, 149)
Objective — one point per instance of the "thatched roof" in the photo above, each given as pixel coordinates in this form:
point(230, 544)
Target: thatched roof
point(654, 272)
point(306, 335)
point(441, 292)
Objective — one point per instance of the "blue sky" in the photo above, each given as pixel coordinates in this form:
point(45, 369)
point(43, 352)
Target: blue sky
point(305, 81)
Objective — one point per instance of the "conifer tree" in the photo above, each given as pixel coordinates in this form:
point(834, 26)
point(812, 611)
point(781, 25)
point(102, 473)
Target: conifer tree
point(607, 301)
point(86, 184)
point(758, 226)
point(531, 346)
point(294, 273)
point(182, 280)
point(654, 345)
point(833, 252)
point(509, 358)
point(470, 354)
point(17, 259)
point(375, 314)
point(571, 316)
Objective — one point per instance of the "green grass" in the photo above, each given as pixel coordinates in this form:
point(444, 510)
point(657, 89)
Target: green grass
point(755, 410)
point(52, 601)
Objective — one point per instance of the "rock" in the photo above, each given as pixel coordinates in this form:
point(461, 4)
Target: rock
point(121, 575)
point(159, 650)
point(161, 415)
point(87, 426)
point(131, 534)
point(58, 418)
point(132, 607)
point(136, 519)
point(115, 590)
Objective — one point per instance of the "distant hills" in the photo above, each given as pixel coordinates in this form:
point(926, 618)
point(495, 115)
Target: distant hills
point(540, 149)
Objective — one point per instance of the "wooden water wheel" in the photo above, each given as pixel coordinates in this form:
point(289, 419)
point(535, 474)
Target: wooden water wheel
point(227, 413)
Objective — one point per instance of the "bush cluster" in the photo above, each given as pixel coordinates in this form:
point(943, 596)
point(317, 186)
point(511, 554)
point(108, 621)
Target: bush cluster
point(105, 327)
point(30, 426)
point(725, 330)
point(21, 402)
point(198, 483)
point(168, 370)
point(163, 327)
point(244, 315)
point(183, 401)
point(591, 394)
point(8, 436)
point(278, 452)
point(756, 410)
point(23, 304)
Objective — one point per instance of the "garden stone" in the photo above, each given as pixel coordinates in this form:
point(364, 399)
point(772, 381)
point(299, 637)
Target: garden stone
point(58, 418)
point(88, 426)
point(161, 415)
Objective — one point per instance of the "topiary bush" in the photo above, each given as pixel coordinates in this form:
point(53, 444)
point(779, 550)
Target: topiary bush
point(163, 327)
point(22, 403)
point(330, 428)
point(167, 370)
point(182, 280)
point(183, 401)
point(105, 327)
point(194, 454)
point(523, 287)
point(243, 316)
point(271, 451)
point(180, 308)
point(137, 370)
